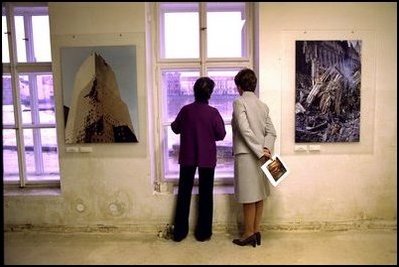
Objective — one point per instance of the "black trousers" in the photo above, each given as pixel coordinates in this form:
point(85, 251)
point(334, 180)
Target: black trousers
point(203, 228)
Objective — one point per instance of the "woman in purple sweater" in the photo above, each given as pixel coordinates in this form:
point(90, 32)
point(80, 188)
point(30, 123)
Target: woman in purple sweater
point(199, 126)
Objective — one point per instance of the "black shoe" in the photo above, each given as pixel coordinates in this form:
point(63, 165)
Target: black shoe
point(202, 236)
point(251, 240)
point(258, 238)
point(203, 239)
point(177, 233)
point(178, 237)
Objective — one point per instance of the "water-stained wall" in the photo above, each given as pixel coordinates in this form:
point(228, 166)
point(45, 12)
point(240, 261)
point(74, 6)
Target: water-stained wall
point(112, 185)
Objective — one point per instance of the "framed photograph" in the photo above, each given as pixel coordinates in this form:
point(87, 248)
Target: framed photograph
point(100, 94)
point(328, 85)
point(275, 169)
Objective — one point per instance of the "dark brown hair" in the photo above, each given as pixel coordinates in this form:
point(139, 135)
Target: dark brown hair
point(246, 80)
point(203, 89)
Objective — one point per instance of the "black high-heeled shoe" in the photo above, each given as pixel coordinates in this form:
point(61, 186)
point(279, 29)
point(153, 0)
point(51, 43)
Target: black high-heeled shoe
point(258, 238)
point(251, 240)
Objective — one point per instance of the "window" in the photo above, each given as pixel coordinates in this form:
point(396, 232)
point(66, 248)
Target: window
point(199, 39)
point(30, 150)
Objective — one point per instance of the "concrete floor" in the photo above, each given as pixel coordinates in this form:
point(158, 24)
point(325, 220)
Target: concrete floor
point(278, 247)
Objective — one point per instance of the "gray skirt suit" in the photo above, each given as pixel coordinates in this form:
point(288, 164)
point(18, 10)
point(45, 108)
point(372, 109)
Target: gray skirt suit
point(252, 131)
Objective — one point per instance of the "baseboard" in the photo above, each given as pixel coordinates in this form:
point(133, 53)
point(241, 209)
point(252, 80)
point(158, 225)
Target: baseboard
point(217, 227)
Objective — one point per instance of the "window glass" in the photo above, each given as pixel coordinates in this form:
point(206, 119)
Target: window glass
point(41, 155)
point(177, 86)
point(224, 36)
point(179, 30)
point(8, 107)
point(41, 38)
point(222, 98)
point(225, 91)
point(37, 98)
point(171, 165)
point(225, 160)
point(32, 34)
point(226, 30)
point(10, 156)
point(20, 38)
point(5, 56)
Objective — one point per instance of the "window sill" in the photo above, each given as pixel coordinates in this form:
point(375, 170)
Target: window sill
point(169, 188)
point(11, 192)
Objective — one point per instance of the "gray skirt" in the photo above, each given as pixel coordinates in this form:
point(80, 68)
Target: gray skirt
point(250, 182)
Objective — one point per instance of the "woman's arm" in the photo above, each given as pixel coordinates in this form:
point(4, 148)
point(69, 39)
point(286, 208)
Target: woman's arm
point(248, 135)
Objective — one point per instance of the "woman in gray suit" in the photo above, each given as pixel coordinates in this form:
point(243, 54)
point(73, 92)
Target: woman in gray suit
point(253, 143)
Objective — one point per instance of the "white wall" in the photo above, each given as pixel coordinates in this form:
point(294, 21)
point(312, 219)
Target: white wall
point(341, 182)
point(331, 186)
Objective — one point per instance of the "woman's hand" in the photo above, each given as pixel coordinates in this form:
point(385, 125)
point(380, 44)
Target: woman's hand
point(266, 156)
point(267, 153)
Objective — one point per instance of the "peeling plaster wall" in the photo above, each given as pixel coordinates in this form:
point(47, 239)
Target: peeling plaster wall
point(112, 185)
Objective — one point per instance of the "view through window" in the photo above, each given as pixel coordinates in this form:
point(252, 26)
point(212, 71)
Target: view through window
point(223, 30)
point(30, 150)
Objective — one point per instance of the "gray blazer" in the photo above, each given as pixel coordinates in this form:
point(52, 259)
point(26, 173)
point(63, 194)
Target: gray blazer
point(252, 127)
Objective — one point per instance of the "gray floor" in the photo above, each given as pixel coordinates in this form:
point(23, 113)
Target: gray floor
point(278, 247)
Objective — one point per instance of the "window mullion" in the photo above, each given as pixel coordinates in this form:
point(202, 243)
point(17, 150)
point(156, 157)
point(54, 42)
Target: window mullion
point(202, 39)
point(37, 141)
point(34, 105)
point(158, 101)
point(12, 44)
point(249, 32)
point(160, 20)
point(29, 38)
point(34, 67)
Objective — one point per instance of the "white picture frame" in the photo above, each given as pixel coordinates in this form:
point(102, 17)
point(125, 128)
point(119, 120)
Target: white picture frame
point(122, 65)
point(368, 81)
point(275, 169)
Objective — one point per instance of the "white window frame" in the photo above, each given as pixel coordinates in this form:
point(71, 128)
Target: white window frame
point(15, 69)
point(203, 64)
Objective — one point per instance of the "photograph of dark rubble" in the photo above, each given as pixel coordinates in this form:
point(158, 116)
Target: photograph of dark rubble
point(327, 91)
